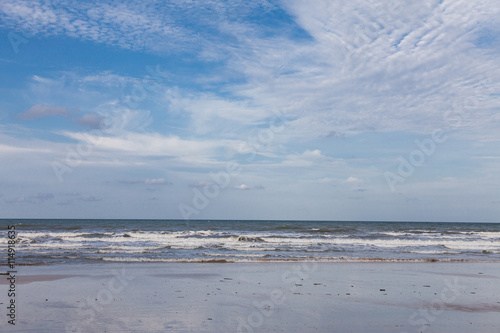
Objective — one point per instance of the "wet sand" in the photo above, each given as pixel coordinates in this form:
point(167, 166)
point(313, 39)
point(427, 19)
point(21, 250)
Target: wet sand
point(33, 278)
point(255, 297)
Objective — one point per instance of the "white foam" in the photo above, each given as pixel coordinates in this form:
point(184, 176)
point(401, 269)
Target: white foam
point(487, 234)
point(433, 252)
point(141, 241)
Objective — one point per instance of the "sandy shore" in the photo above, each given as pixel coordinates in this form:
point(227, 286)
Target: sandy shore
point(255, 297)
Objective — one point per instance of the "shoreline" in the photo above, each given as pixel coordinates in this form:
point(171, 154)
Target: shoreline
point(252, 261)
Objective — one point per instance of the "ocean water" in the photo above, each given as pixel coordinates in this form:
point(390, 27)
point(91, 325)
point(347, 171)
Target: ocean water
point(81, 241)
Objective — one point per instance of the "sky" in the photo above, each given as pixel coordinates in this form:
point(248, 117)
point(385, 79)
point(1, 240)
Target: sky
point(265, 109)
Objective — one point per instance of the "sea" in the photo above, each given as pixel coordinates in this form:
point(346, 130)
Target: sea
point(54, 241)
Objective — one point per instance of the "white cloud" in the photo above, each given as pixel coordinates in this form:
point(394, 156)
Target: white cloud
point(107, 78)
point(12, 145)
point(147, 181)
point(369, 67)
point(116, 119)
point(157, 181)
point(7, 149)
point(314, 154)
point(139, 145)
point(45, 80)
point(353, 180)
point(216, 115)
point(245, 187)
point(307, 159)
point(372, 67)
point(128, 25)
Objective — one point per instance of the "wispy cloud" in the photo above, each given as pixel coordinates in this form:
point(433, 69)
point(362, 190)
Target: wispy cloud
point(353, 180)
point(245, 187)
point(376, 69)
point(32, 199)
point(39, 110)
point(91, 120)
point(89, 198)
point(154, 144)
point(147, 181)
point(128, 25)
point(76, 198)
point(201, 184)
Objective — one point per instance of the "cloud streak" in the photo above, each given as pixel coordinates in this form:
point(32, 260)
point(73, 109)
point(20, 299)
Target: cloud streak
point(39, 111)
point(39, 198)
point(147, 181)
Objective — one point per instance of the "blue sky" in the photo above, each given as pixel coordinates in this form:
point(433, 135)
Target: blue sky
point(321, 110)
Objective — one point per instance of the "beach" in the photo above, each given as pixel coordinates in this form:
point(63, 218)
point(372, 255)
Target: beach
point(255, 297)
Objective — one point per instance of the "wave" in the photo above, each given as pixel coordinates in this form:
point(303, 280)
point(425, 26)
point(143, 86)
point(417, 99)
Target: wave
point(247, 239)
point(278, 260)
point(331, 231)
point(490, 252)
point(268, 241)
point(432, 252)
point(487, 234)
point(288, 227)
point(51, 240)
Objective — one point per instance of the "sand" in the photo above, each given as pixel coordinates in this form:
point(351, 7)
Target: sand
point(255, 297)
